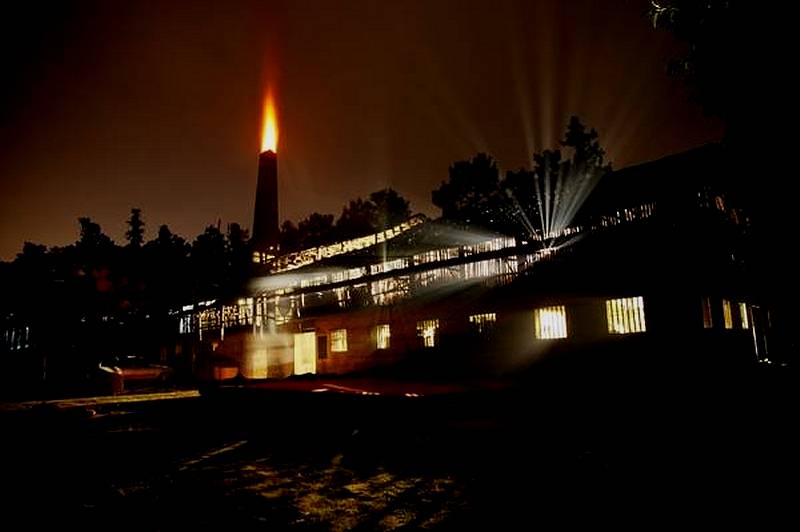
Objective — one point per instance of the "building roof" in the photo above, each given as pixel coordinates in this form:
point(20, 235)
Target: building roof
point(670, 178)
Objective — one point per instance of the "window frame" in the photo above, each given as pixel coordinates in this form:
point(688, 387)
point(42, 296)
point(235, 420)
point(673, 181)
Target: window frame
point(545, 330)
point(626, 315)
point(336, 336)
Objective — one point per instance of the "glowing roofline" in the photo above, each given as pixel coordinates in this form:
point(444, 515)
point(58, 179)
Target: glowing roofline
point(298, 259)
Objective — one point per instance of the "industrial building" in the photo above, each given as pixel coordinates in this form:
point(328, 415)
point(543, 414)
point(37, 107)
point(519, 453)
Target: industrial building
point(650, 270)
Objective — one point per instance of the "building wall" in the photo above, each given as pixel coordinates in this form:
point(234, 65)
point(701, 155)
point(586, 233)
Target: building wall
point(675, 336)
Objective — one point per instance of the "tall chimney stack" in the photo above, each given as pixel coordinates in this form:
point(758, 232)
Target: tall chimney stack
point(265, 217)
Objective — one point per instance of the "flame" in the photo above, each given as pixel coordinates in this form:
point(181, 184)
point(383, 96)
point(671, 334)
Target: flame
point(269, 131)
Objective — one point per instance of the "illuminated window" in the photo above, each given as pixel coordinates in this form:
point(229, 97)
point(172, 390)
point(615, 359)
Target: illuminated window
point(743, 315)
point(550, 322)
point(727, 314)
point(186, 324)
point(708, 322)
point(387, 291)
point(428, 330)
point(625, 315)
point(382, 336)
point(483, 322)
point(339, 340)
point(209, 319)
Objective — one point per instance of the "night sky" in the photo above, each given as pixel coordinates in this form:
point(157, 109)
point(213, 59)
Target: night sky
point(107, 106)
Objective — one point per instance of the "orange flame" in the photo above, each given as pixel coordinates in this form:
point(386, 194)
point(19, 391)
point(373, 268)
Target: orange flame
point(269, 131)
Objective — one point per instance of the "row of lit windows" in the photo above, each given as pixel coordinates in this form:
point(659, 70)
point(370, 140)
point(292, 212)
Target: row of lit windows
point(186, 324)
point(631, 214)
point(305, 257)
point(624, 316)
point(347, 275)
point(436, 255)
point(209, 319)
point(309, 256)
point(427, 330)
point(16, 339)
point(496, 244)
point(382, 291)
point(386, 291)
point(339, 338)
point(382, 267)
point(239, 314)
point(727, 314)
point(483, 322)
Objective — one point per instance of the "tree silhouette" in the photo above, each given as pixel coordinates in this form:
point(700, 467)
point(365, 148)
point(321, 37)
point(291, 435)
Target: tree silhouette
point(315, 230)
point(92, 236)
point(31, 271)
point(95, 254)
point(358, 218)
point(209, 263)
point(384, 208)
point(548, 198)
point(239, 257)
point(711, 65)
point(166, 268)
point(390, 208)
point(167, 240)
point(109, 299)
point(135, 232)
point(533, 203)
point(472, 195)
point(289, 237)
